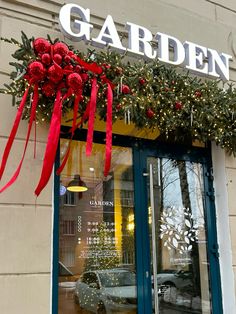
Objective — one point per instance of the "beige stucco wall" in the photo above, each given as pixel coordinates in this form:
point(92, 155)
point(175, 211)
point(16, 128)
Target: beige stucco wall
point(25, 222)
point(231, 187)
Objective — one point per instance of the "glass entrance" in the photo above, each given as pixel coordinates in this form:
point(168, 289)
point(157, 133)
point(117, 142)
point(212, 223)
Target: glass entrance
point(177, 233)
point(136, 241)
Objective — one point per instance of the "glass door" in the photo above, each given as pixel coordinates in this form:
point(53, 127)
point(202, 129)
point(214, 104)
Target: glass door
point(177, 233)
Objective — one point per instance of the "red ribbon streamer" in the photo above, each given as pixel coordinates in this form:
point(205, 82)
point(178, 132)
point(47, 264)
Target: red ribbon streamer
point(52, 143)
point(13, 132)
point(76, 107)
point(35, 137)
point(32, 119)
point(105, 80)
point(92, 110)
point(108, 131)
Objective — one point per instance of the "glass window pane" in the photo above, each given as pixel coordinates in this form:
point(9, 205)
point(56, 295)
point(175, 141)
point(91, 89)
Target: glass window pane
point(96, 241)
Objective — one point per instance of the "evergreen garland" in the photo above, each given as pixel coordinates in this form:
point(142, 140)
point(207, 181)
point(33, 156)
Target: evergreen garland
point(150, 94)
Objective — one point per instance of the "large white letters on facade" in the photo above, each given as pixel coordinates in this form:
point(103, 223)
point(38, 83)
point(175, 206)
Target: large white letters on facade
point(75, 24)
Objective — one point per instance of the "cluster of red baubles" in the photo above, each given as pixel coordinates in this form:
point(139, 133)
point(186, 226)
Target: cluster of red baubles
point(57, 67)
point(54, 68)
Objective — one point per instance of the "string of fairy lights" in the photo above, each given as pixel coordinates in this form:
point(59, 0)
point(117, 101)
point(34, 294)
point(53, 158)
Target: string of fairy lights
point(147, 94)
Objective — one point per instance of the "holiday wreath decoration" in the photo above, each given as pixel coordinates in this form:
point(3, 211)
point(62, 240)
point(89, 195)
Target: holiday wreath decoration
point(51, 78)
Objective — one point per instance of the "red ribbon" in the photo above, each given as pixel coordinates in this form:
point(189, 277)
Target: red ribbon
point(52, 143)
point(105, 80)
point(13, 132)
point(93, 67)
point(93, 101)
point(108, 131)
point(74, 127)
point(32, 119)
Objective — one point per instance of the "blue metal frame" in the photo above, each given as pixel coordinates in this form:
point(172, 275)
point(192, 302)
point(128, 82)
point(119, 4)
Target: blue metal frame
point(55, 258)
point(144, 290)
point(141, 150)
point(213, 254)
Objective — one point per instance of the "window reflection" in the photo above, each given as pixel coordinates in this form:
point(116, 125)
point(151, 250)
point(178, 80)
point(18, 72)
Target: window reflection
point(96, 244)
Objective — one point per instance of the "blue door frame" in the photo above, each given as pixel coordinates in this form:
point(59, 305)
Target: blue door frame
point(141, 150)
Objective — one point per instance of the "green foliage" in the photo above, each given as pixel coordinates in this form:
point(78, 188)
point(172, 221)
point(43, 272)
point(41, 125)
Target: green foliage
point(179, 105)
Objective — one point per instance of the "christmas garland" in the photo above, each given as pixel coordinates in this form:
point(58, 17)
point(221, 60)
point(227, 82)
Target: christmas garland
point(51, 78)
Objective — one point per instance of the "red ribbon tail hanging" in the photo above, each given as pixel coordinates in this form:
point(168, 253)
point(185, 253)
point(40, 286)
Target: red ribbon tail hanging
point(108, 131)
point(74, 127)
point(35, 137)
point(92, 110)
point(85, 116)
point(13, 133)
point(52, 143)
point(32, 119)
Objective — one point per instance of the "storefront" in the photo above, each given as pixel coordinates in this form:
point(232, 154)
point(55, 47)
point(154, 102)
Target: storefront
point(142, 215)
point(152, 220)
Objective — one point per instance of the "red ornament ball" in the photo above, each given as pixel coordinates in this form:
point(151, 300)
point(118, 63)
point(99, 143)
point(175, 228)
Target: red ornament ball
point(57, 58)
point(55, 74)
point(78, 69)
point(69, 68)
point(41, 45)
point(74, 81)
point(142, 81)
point(48, 89)
point(178, 105)
point(36, 71)
point(71, 53)
point(61, 49)
point(118, 107)
point(125, 89)
point(85, 77)
point(67, 59)
point(46, 58)
point(150, 113)
point(198, 93)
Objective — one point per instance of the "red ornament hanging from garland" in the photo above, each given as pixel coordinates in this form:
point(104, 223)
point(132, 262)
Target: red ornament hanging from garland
point(178, 105)
point(142, 81)
point(198, 93)
point(41, 45)
point(125, 89)
point(150, 113)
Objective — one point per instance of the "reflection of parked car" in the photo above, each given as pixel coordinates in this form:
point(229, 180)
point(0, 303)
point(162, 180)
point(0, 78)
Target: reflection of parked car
point(107, 291)
point(171, 278)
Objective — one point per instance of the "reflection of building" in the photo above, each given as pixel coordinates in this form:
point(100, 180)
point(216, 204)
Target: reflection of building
point(94, 225)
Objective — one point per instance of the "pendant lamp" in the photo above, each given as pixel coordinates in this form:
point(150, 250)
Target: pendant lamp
point(77, 185)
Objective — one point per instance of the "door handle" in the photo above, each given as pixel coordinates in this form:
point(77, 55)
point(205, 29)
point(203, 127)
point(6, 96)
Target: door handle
point(154, 257)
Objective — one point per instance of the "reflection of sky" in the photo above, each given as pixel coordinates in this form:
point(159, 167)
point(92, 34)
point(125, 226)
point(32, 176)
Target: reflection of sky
point(172, 195)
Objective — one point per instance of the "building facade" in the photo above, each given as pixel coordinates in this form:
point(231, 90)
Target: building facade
point(129, 222)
